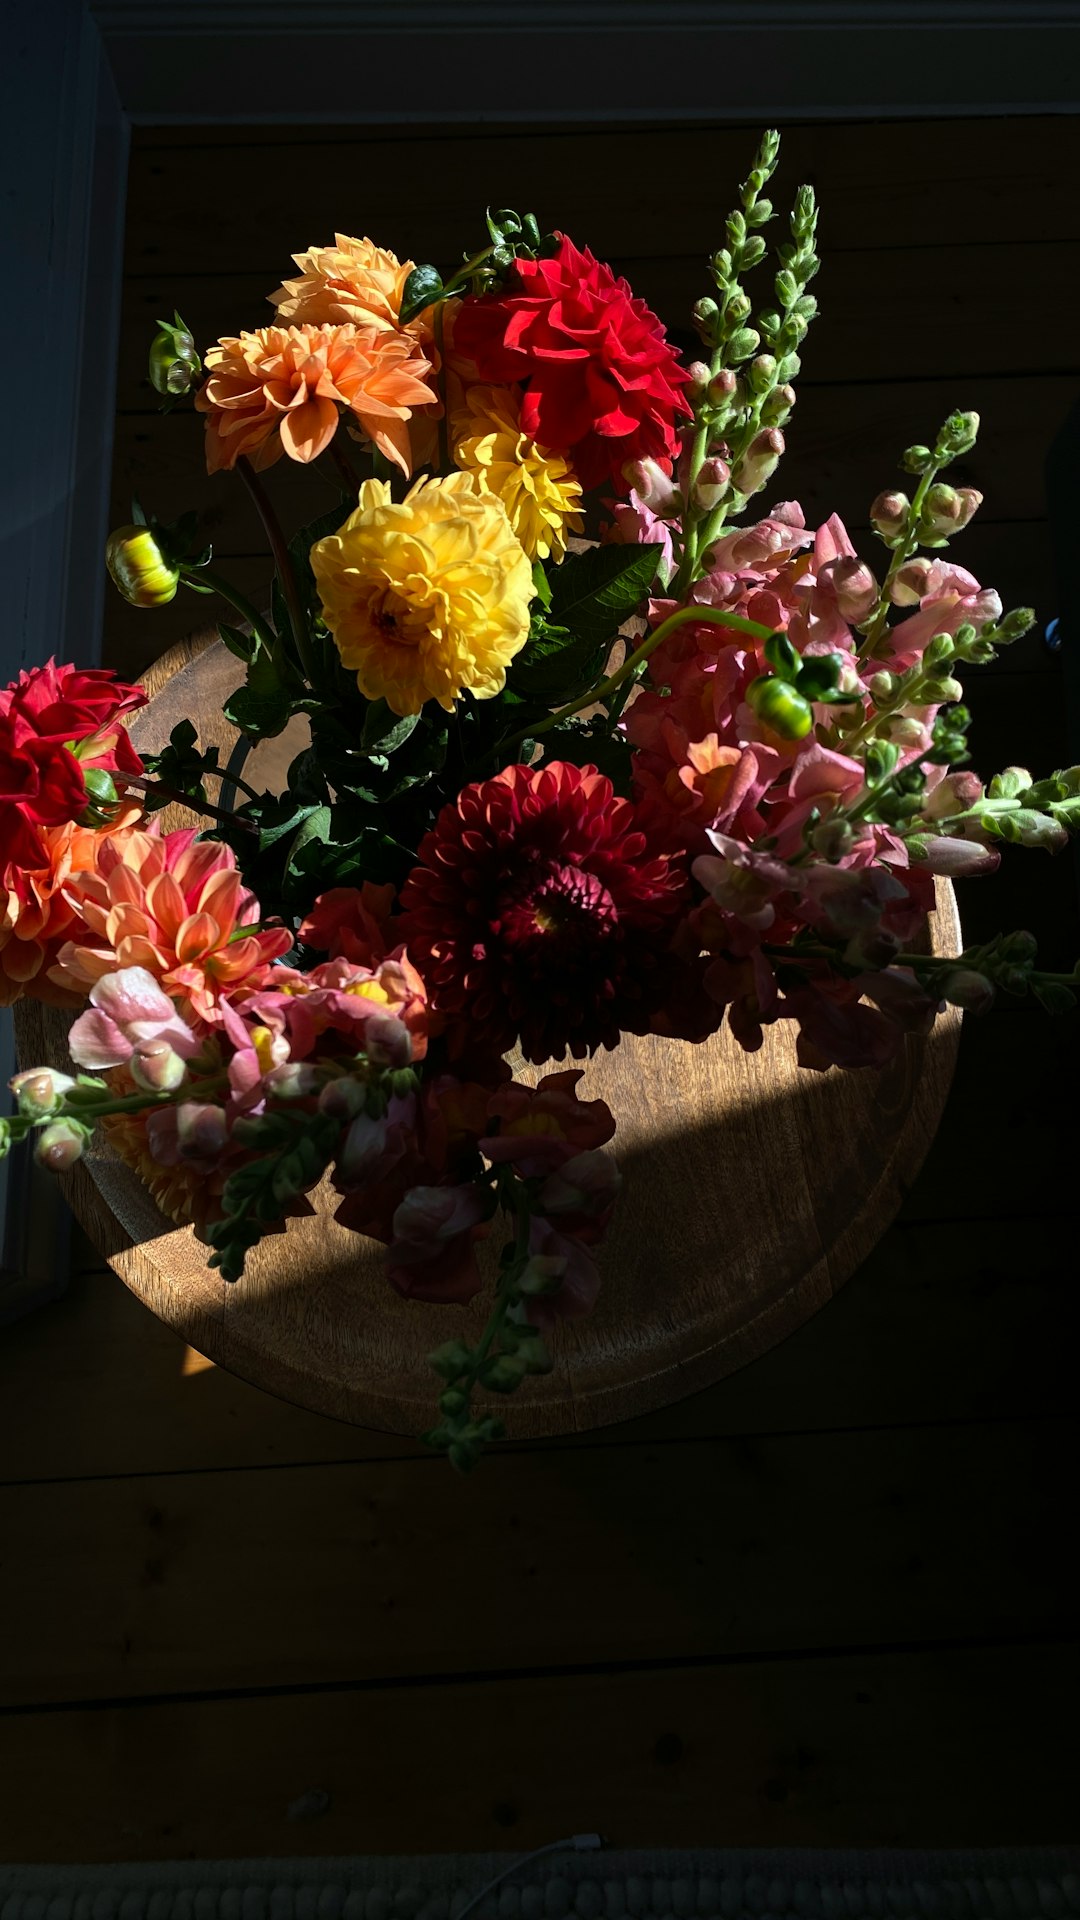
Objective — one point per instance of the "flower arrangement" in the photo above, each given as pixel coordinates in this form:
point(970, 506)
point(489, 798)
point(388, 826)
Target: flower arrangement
point(515, 826)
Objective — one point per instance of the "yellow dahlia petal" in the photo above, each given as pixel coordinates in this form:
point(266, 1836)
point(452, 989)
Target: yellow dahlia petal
point(428, 596)
point(540, 491)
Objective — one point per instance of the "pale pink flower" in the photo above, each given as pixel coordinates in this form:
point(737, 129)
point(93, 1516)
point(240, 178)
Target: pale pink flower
point(128, 1011)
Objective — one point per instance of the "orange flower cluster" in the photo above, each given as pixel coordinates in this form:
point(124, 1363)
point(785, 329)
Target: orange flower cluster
point(37, 915)
point(283, 389)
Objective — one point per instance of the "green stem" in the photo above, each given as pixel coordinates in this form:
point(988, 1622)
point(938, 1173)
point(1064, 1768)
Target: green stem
point(202, 576)
point(899, 558)
point(285, 570)
point(711, 616)
point(177, 799)
point(466, 270)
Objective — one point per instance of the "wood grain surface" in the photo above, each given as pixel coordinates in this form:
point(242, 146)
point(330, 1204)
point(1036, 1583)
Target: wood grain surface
point(752, 1190)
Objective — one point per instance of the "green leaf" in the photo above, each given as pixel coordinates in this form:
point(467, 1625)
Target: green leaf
point(242, 644)
point(541, 585)
point(423, 286)
point(384, 730)
point(261, 715)
point(292, 819)
point(558, 665)
point(315, 826)
point(592, 593)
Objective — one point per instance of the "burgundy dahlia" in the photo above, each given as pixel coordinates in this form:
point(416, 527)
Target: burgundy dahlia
point(603, 383)
point(536, 913)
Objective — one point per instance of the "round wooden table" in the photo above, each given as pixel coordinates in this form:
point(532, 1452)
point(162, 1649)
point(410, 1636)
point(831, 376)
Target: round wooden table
point(752, 1190)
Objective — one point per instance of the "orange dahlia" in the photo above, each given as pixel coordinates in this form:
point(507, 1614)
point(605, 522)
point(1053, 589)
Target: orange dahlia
point(354, 280)
point(36, 914)
point(282, 389)
point(176, 905)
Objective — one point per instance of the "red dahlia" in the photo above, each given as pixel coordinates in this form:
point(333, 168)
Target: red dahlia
point(535, 913)
point(44, 714)
point(603, 384)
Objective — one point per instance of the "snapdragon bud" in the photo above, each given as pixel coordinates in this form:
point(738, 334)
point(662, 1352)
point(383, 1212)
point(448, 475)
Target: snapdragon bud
point(387, 1041)
point(704, 315)
point(833, 839)
point(957, 793)
point(722, 386)
point(157, 1067)
point(700, 374)
point(909, 582)
point(344, 1097)
point(958, 435)
point(201, 1130)
point(60, 1144)
point(881, 687)
point(946, 510)
point(40, 1090)
point(777, 405)
point(905, 731)
point(963, 987)
point(888, 514)
point(1014, 625)
point(855, 587)
point(174, 364)
point(940, 690)
point(292, 1080)
point(712, 483)
point(761, 373)
point(759, 462)
point(361, 1150)
point(654, 488)
point(139, 569)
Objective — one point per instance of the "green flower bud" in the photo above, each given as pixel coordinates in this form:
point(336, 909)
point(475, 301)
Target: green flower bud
point(941, 649)
point(916, 459)
point(780, 707)
point(504, 1374)
point(761, 373)
point(704, 316)
point(451, 1359)
point(1014, 625)
point(60, 1144)
point(777, 405)
point(881, 687)
point(958, 435)
point(139, 569)
point(936, 692)
point(742, 343)
point(40, 1091)
point(819, 675)
point(174, 364)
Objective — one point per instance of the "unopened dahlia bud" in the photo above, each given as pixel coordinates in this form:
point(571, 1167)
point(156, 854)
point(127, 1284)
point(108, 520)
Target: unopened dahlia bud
point(855, 587)
point(888, 514)
point(963, 987)
point(759, 462)
point(174, 364)
point(201, 1130)
point(60, 1144)
point(909, 582)
point(139, 569)
point(654, 488)
point(157, 1067)
point(946, 510)
point(711, 484)
point(40, 1090)
point(387, 1041)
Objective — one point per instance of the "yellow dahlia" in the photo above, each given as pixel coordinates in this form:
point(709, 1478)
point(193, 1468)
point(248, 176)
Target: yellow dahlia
point(540, 491)
point(352, 280)
point(426, 596)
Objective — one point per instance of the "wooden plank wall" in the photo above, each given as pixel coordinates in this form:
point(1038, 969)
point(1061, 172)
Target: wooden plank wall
point(826, 1602)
